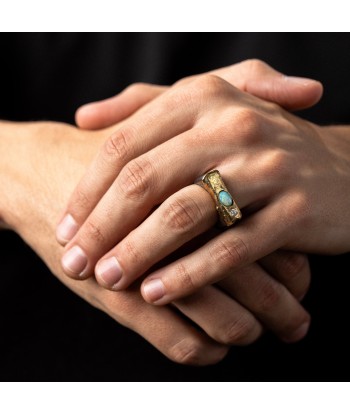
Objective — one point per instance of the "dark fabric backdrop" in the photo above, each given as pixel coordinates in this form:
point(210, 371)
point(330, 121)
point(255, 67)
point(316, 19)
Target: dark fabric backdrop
point(47, 332)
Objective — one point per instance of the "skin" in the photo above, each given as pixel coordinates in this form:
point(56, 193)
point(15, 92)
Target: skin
point(41, 164)
point(288, 176)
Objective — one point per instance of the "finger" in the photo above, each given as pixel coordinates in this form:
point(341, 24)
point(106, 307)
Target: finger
point(220, 316)
point(291, 269)
point(253, 76)
point(259, 79)
point(182, 217)
point(127, 143)
point(140, 186)
point(97, 115)
point(245, 243)
point(128, 201)
point(172, 334)
point(124, 145)
point(269, 301)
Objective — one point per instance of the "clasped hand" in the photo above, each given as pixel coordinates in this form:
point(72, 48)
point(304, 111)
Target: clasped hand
point(137, 205)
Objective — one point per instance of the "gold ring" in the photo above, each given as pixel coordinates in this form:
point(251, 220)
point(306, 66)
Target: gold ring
point(226, 207)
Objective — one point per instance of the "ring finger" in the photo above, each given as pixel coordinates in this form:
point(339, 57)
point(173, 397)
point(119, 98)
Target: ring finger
point(183, 216)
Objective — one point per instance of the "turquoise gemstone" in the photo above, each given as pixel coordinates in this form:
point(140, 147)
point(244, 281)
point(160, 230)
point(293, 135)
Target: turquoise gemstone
point(225, 198)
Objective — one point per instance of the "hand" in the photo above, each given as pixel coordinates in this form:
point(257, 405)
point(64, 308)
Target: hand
point(130, 100)
point(252, 76)
point(289, 174)
point(40, 163)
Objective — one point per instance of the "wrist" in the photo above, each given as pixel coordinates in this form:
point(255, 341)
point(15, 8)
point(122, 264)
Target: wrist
point(17, 167)
point(7, 181)
point(337, 140)
point(38, 162)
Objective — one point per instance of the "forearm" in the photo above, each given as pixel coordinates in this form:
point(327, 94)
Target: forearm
point(10, 149)
point(17, 172)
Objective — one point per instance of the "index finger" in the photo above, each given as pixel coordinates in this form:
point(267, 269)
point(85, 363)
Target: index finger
point(139, 135)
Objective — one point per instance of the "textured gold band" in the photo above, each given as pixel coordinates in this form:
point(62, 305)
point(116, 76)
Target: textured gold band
point(226, 207)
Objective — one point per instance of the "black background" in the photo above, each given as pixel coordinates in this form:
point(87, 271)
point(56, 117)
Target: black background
point(47, 332)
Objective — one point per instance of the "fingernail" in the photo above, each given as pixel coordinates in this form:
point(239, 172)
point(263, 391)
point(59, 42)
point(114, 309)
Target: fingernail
point(153, 290)
point(75, 261)
point(298, 334)
point(298, 80)
point(67, 228)
point(109, 271)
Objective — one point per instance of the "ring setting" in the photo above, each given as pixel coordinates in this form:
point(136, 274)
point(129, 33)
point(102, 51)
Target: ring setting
point(226, 207)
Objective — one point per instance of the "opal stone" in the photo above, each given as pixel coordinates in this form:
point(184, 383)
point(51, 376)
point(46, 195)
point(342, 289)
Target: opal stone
point(225, 198)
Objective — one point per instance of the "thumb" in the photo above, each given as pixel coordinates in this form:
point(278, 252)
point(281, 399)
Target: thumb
point(259, 79)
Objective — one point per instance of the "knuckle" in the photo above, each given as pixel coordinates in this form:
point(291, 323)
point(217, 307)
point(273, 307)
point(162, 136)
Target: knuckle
point(120, 306)
point(302, 208)
point(130, 252)
point(194, 93)
point(137, 87)
point(293, 265)
point(278, 114)
point(209, 85)
point(184, 279)
point(137, 178)
point(187, 352)
point(299, 210)
point(301, 292)
point(182, 215)
point(179, 96)
point(186, 80)
point(211, 81)
point(293, 323)
point(250, 125)
point(277, 166)
point(118, 147)
point(269, 296)
point(238, 331)
point(255, 66)
point(94, 231)
point(81, 201)
point(294, 271)
point(229, 254)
